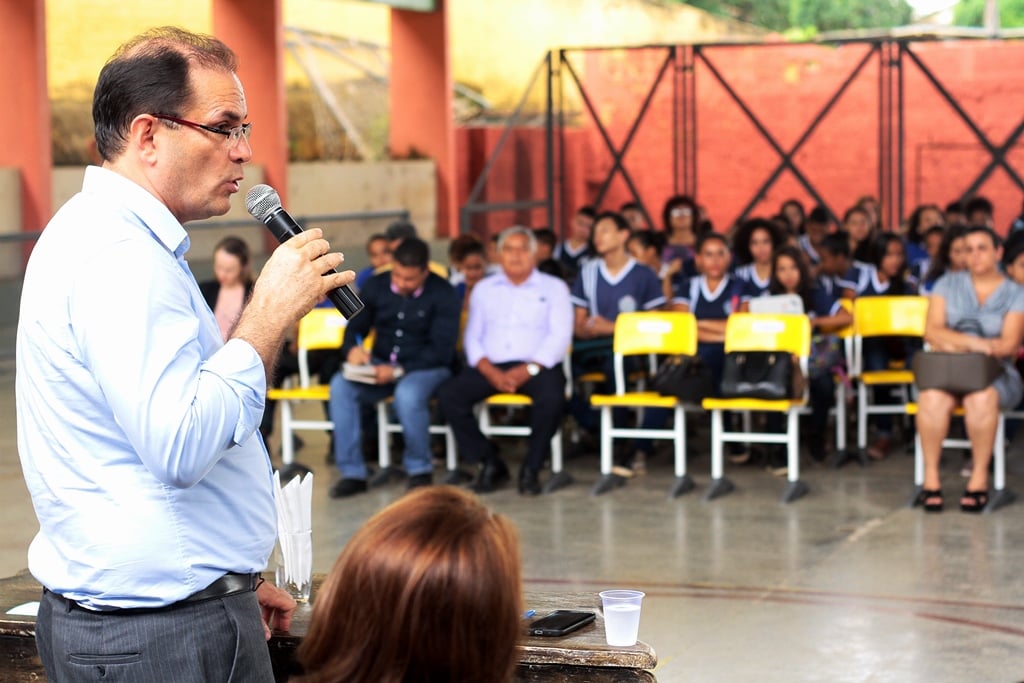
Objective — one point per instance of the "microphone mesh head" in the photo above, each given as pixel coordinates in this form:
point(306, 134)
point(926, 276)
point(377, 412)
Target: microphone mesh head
point(261, 201)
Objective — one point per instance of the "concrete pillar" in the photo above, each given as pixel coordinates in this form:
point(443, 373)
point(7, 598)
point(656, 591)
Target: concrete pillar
point(25, 139)
point(254, 30)
point(422, 117)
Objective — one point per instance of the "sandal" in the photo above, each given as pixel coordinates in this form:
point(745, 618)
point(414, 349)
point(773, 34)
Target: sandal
point(930, 500)
point(973, 501)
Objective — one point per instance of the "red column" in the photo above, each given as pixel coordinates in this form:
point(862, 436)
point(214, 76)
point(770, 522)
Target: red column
point(25, 140)
point(422, 118)
point(254, 30)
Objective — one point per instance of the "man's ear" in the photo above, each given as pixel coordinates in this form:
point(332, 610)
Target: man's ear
point(142, 137)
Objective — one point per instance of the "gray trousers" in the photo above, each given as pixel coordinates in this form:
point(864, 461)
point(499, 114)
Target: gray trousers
point(215, 641)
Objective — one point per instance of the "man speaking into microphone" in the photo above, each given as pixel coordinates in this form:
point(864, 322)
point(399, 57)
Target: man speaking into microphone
point(137, 425)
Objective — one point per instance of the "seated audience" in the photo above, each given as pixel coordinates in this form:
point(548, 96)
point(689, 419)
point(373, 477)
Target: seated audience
point(979, 212)
point(646, 247)
point(546, 262)
point(457, 250)
point(518, 331)
point(860, 231)
point(979, 310)
point(634, 215)
point(610, 284)
point(712, 296)
point(472, 269)
point(414, 315)
point(888, 278)
point(790, 275)
point(572, 253)
point(753, 244)
point(398, 232)
point(921, 220)
point(951, 257)
point(838, 272)
point(428, 589)
point(816, 226)
point(227, 293)
point(931, 242)
point(379, 253)
point(680, 220)
point(793, 211)
point(955, 214)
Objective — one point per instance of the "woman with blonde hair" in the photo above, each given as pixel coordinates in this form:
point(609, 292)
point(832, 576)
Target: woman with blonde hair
point(428, 590)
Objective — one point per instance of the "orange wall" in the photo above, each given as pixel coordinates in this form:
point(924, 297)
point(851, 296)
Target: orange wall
point(785, 86)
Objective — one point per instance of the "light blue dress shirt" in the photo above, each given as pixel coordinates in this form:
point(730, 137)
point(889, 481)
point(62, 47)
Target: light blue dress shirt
point(531, 321)
point(137, 425)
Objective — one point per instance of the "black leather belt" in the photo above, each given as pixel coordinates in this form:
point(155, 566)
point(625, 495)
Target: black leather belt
point(229, 584)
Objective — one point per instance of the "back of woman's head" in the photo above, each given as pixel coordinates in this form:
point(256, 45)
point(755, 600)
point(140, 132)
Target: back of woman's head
point(427, 590)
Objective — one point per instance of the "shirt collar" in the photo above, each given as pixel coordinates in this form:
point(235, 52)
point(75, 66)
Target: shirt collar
point(150, 211)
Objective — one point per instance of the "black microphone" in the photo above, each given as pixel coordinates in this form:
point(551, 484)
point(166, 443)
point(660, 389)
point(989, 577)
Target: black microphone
point(264, 204)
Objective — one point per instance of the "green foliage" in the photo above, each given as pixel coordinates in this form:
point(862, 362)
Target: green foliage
point(809, 16)
point(972, 13)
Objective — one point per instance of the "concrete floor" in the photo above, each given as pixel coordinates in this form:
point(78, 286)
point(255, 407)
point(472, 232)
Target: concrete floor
point(846, 584)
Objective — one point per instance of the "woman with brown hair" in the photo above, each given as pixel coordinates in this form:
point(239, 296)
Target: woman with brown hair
point(427, 590)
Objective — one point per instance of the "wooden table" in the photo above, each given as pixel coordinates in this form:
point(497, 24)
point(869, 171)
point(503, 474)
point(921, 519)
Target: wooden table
point(582, 655)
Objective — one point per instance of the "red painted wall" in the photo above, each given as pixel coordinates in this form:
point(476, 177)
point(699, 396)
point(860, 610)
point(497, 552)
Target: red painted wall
point(785, 86)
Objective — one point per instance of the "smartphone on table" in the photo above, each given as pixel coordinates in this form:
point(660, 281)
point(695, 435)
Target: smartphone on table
point(561, 622)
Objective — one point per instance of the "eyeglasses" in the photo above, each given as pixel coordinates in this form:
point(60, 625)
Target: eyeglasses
point(232, 134)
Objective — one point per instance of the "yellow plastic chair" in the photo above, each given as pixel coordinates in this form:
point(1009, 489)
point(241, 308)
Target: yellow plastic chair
point(646, 333)
point(782, 332)
point(882, 316)
point(386, 426)
point(559, 477)
point(321, 328)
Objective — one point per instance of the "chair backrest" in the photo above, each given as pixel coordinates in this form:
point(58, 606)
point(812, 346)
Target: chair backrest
point(652, 332)
point(789, 332)
point(890, 316)
point(669, 332)
point(321, 328)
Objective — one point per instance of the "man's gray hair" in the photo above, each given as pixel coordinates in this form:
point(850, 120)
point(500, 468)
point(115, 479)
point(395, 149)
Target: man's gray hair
point(518, 230)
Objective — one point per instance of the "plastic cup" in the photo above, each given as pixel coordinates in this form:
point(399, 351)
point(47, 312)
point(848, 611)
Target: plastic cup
point(621, 616)
point(294, 570)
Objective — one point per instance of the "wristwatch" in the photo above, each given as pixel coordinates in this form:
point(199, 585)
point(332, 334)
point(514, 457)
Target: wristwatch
point(533, 369)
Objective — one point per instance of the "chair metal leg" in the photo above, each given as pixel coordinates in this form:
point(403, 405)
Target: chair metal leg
point(684, 482)
point(862, 415)
point(557, 480)
point(915, 498)
point(606, 483)
point(383, 442)
point(1000, 495)
point(606, 440)
point(287, 442)
point(794, 490)
point(719, 486)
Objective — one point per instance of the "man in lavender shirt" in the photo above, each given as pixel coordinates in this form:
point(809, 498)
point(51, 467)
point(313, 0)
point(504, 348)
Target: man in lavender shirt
point(518, 331)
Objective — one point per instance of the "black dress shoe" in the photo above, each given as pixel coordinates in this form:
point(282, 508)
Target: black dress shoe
point(492, 475)
point(347, 487)
point(418, 480)
point(529, 484)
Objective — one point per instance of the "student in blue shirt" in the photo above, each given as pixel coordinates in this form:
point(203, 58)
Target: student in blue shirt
point(839, 273)
point(753, 244)
point(608, 285)
point(790, 275)
point(888, 279)
point(576, 249)
point(711, 297)
point(951, 257)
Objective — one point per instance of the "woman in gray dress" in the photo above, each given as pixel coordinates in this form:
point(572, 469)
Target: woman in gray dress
point(980, 310)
